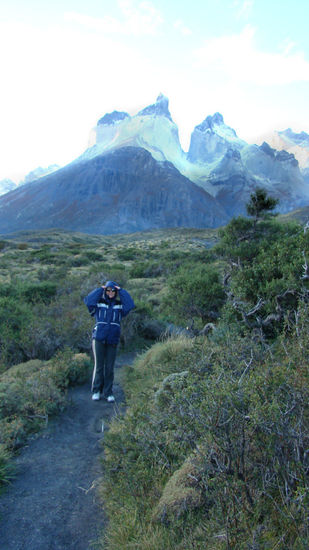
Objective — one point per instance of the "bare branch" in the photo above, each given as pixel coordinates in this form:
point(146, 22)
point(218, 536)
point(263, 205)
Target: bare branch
point(226, 278)
point(256, 308)
point(248, 365)
point(245, 315)
point(305, 267)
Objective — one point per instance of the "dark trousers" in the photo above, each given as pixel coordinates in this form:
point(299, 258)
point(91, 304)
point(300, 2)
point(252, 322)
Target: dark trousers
point(103, 371)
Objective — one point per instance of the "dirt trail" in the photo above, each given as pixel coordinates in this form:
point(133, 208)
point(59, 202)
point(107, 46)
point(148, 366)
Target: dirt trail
point(53, 503)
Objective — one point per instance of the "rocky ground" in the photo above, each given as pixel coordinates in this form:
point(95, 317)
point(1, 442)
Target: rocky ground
point(53, 502)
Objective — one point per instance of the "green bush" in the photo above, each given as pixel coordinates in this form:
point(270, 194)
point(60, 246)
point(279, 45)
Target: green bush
point(94, 256)
point(43, 255)
point(15, 316)
point(127, 254)
point(6, 468)
point(215, 444)
point(194, 292)
point(78, 261)
point(266, 278)
point(29, 394)
point(40, 292)
point(22, 246)
point(146, 270)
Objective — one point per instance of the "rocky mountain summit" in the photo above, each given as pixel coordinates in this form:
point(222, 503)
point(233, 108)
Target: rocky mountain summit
point(211, 139)
point(295, 143)
point(136, 176)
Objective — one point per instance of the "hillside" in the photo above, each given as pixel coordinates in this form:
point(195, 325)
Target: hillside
point(217, 400)
point(136, 177)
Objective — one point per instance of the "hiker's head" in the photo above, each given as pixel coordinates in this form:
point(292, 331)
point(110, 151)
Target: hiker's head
point(110, 289)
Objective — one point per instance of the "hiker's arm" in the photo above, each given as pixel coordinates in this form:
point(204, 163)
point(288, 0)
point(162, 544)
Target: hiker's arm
point(93, 298)
point(126, 300)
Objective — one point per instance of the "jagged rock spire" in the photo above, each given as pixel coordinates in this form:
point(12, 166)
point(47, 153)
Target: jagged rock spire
point(111, 118)
point(160, 107)
point(210, 122)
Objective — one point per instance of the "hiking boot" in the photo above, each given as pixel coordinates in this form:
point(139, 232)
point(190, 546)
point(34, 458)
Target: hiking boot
point(110, 399)
point(96, 396)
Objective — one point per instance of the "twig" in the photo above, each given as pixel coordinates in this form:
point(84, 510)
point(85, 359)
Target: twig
point(248, 365)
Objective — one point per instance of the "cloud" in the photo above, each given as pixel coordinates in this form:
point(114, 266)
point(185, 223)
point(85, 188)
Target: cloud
point(57, 82)
point(180, 26)
point(244, 8)
point(238, 58)
point(138, 19)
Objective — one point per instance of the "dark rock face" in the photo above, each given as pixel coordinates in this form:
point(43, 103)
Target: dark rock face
point(282, 156)
point(137, 177)
point(233, 183)
point(158, 108)
point(300, 138)
point(306, 176)
point(210, 122)
point(272, 165)
point(267, 149)
point(211, 139)
point(111, 118)
point(119, 192)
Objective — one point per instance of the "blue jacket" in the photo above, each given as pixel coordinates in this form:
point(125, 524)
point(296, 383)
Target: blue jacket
point(108, 312)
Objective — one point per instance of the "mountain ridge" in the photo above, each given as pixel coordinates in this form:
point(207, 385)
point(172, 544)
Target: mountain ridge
point(158, 184)
point(123, 191)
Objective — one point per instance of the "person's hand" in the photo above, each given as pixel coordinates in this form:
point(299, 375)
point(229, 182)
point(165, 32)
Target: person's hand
point(117, 287)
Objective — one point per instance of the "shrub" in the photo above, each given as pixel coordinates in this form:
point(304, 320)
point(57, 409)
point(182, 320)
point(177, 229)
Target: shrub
point(43, 255)
point(78, 261)
point(146, 270)
point(29, 394)
point(15, 315)
point(6, 469)
point(94, 256)
point(194, 292)
point(127, 254)
point(215, 444)
point(40, 292)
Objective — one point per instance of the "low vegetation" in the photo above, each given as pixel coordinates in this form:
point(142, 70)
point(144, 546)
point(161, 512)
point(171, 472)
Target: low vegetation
point(212, 451)
point(32, 392)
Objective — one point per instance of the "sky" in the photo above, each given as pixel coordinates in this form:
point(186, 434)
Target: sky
point(65, 63)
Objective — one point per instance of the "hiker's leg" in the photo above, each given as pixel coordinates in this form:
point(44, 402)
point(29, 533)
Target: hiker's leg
point(98, 349)
point(110, 357)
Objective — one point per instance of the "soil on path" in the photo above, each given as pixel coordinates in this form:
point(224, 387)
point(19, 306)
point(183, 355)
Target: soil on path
point(53, 503)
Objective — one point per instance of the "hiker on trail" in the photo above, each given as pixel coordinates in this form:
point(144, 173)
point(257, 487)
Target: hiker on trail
point(108, 304)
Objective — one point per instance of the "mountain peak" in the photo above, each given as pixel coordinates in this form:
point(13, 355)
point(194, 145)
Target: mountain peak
point(282, 155)
point(160, 108)
point(211, 139)
point(298, 139)
point(210, 122)
point(111, 118)
point(267, 149)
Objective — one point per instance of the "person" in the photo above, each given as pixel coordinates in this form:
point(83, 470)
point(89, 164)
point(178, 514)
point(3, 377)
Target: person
point(108, 304)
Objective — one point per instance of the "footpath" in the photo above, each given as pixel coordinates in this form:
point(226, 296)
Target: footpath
point(53, 502)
